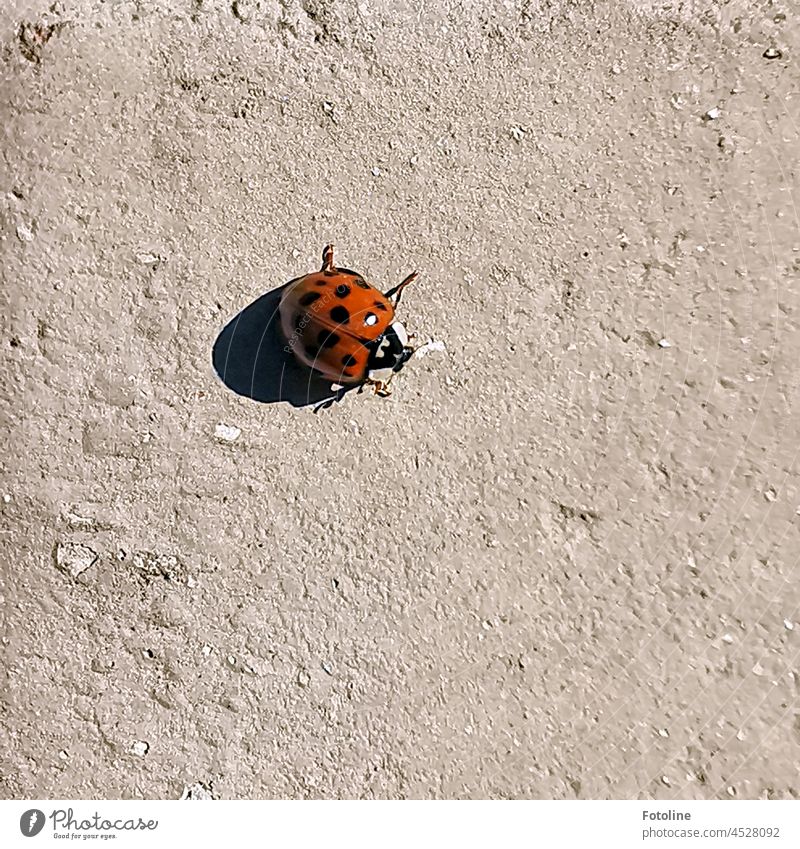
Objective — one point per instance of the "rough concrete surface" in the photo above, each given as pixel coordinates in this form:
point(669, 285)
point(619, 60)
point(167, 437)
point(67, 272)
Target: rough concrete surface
point(561, 560)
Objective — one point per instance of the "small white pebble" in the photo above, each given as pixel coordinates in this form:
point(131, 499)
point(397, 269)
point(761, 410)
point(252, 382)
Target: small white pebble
point(295, 253)
point(662, 732)
point(616, 68)
point(24, 233)
point(79, 521)
point(700, 249)
point(727, 638)
point(758, 669)
point(665, 780)
point(6, 498)
point(227, 433)
point(664, 343)
point(206, 650)
point(75, 558)
point(196, 792)
point(726, 143)
point(770, 494)
point(63, 755)
point(140, 748)
point(191, 582)
point(518, 133)
point(414, 159)
point(430, 347)
point(327, 106)
point(788, 624)
point(231, 660)
point(376, 172)
point(713, 113)
point(731, 791)
point(740, 735)
point(147, 258)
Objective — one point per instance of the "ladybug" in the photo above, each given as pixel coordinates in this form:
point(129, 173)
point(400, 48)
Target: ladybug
point(336, 323)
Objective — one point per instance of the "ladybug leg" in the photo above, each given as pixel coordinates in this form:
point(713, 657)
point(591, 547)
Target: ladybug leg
point(414, 348)
point(397, 291)
point(327, 259)
point(329, 402)
point(323, 405)
point(379, 387)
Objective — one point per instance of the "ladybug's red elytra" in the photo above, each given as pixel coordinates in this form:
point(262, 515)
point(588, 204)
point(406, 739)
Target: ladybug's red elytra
point(336, 323)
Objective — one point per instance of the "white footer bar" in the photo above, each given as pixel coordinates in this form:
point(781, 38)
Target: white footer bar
point(407, 824)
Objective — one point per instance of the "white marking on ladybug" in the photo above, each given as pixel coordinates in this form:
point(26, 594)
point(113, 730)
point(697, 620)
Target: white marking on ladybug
point(401, 332)
point(383, 375)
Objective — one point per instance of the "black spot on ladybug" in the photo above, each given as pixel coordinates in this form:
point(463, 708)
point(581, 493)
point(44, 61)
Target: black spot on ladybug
point(311, 351)
point(342, 290)
point(327, 339)
point(309, 298)
point(379, 306)
point(340, 315)
point(362, 283)
point(349, 360)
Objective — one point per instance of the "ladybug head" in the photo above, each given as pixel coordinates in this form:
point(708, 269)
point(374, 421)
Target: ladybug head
point(389, 352)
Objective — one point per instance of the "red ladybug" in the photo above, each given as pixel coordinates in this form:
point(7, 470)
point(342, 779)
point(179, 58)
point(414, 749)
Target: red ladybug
point(336, 323)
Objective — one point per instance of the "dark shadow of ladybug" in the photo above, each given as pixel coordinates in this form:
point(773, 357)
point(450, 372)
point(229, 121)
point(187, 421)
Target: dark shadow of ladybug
point(249, 358)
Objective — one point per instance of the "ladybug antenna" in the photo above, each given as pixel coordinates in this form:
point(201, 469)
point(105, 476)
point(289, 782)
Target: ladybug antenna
point(398, 290)
point(327, 259)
